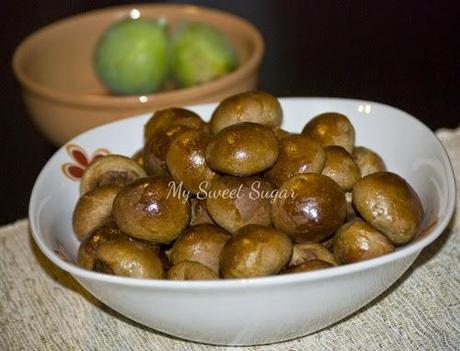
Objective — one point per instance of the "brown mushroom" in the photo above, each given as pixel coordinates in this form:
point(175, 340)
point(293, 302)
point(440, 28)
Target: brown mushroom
point(139, 157)
point(235, 202)
point(128, 258)
point(351, 213)
point(298, 155)
point(340, 167)
point(189, 270)
point(280, 133)
point(368, 161)
point(331, 128)
point(305, 252)
point(310, 207)
point(163, 120)
point(88, 246)
point(156, 149)
point(202, 243)
point(186, 161)
point(242, 149)
point(151, 209)
point(93, 209)
point(308, 266)
point(160, 131)
point(110, 170)
point(255, 106)
point(390, 204)
point(199, 212)
point(255, 251)
point(328, 243)
point(358, 241)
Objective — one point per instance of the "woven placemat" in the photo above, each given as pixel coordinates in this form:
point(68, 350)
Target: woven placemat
point(44, 308)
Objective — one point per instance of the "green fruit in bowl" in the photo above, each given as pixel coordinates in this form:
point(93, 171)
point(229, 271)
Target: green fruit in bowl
point(200, 53)
point(131, 56)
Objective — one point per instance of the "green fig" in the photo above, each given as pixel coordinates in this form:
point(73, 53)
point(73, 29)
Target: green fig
point(131, 56)
point(200, 53)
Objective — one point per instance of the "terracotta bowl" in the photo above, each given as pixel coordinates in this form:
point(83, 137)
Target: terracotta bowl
point(61, 90)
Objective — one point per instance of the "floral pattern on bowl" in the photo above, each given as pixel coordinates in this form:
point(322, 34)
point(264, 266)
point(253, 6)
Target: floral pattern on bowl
point(74, 170)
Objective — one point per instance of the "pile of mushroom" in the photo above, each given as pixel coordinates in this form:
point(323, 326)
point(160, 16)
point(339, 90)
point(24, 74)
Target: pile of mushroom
point(239, 197)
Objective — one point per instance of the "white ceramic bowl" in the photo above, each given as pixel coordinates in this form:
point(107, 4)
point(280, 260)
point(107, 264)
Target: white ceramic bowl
point(261, 310)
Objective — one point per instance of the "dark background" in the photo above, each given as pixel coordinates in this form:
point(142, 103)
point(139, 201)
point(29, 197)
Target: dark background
point(397, 52)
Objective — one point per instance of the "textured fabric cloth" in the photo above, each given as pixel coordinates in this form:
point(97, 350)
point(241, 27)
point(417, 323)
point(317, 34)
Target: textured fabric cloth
point(44, 308)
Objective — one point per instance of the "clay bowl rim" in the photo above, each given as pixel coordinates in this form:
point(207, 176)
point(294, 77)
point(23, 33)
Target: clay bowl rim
point(128, 101)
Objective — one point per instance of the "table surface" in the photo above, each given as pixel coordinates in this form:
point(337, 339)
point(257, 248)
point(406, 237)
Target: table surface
point(398, 53)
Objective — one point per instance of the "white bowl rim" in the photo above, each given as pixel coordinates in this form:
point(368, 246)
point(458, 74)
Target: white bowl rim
point(258, 282)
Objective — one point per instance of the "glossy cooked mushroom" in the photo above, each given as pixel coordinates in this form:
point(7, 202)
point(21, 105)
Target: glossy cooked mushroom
point(298, 155)
point(310, 207)
point(242, 149)
point(186, 161)
point(305, 252)
point(93, 209)
point(160, 131)
point(351, 213)
point(367, 160)
point(340, 167)
point(358, 241)
point(156, 149)
point(150, 209)
point(390, 204)
point(254, 106)
point(189, 270)
point(328, 243)
point(110, 170)
point(280, 133)
point(202, 243)
point(199, 212)
point(128, 258)
point(308, 266)
point(255, 251)
point(87, 248)
point(331, 128)
point(235, 202)
point(163, 120)
point(139, 157)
